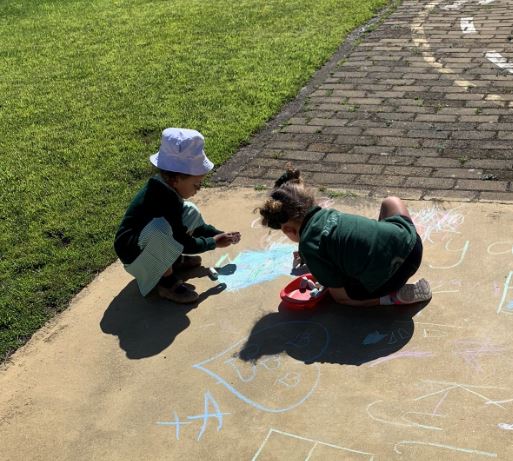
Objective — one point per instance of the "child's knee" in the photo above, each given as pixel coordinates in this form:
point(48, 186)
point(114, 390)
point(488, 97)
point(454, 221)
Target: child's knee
point(391, 202)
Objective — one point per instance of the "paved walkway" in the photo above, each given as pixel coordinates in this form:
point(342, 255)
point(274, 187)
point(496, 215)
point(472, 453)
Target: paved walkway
point(125, 378)
point(421, 107)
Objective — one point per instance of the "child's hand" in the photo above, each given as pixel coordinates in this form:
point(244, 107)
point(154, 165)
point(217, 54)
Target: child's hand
point(296, 261)
point(235, 237)
point(226, 239)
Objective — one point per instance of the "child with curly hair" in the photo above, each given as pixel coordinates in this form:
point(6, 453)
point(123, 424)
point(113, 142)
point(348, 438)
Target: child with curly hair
point(361, 261)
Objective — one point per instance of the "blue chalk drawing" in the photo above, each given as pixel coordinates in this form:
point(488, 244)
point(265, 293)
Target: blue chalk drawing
point(205, 416)
point(177, 423)
point(504, 305)
point(258, 266)
point(271, 364)
point(373, 338)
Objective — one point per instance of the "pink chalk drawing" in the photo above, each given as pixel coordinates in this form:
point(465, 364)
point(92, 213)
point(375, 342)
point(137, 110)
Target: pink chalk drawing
point(473, 349)
point(400, 355)
point(434, 220)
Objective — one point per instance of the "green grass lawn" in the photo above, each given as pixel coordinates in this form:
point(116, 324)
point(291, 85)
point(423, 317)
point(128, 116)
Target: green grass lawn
point(86, 88)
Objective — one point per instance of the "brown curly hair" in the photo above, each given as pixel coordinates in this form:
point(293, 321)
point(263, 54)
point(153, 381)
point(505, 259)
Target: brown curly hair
point(288, 201)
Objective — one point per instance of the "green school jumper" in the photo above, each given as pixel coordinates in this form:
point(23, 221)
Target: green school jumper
point(338, 246)
point(157, 228)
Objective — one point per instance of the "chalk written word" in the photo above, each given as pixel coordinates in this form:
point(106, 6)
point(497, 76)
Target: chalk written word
point(210, 411)
point(463, 250)
point(288, 382)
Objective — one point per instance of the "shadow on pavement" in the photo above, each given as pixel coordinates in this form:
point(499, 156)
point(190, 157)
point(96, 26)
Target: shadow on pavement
point(147, 326)
point(332, 334)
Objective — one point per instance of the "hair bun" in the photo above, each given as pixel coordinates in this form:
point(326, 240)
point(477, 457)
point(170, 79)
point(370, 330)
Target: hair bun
point(289, 175)
point(274, 214)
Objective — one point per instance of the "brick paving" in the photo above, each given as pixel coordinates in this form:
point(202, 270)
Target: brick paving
point(421, 107)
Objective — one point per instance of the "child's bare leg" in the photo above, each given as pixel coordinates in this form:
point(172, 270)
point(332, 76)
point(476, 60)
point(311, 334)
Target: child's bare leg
point(172, 288)
point(392, 206)
point(341, 297)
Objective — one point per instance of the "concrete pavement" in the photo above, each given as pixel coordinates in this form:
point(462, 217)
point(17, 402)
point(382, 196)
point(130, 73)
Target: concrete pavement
point(120, 377)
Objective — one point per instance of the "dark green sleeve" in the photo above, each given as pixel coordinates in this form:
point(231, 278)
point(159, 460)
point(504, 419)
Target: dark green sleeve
point(327, 273)
point(206, 230)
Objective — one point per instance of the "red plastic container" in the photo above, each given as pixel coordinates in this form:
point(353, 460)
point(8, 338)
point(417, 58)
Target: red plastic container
point(292, 298)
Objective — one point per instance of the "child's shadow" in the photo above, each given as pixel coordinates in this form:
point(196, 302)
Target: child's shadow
point(333, 334)
point(146, 326)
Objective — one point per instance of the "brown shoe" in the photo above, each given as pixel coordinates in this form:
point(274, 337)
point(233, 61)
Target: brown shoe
point(185, 262)
point(179, 293)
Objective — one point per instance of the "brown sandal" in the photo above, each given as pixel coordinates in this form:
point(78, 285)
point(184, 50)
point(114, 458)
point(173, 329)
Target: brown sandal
point(179, 293)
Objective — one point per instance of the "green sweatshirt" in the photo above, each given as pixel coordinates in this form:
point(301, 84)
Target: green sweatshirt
point(338, 246)
point(157, 200)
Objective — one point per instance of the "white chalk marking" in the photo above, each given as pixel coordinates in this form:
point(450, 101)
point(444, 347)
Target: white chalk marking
point(455, 6)
point(306, 439)
point(500, 61)
point(509, 248)
point(221, 260)
point(447, 447)
point(467, 26)
point(256, 223)
point(311, 451)
point(465, 387)
point(463, 252)
point(506, 427)
point(421, 42)
point(459, 3)
point(439, 404)
point(413, 423)
point(438, 325)
point(429, 332)
point(395, 423)
point(498, 401)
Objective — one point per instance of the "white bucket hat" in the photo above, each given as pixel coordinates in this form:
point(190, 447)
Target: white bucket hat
point(181, 151)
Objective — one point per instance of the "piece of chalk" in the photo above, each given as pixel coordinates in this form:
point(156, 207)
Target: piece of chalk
point(316, 292)
point(212, 273)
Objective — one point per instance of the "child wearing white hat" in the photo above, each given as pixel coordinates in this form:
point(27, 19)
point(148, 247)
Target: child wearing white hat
point(159, 225)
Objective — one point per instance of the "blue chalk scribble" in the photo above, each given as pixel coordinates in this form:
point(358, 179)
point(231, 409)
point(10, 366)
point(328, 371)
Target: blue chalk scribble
point(254, 267)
